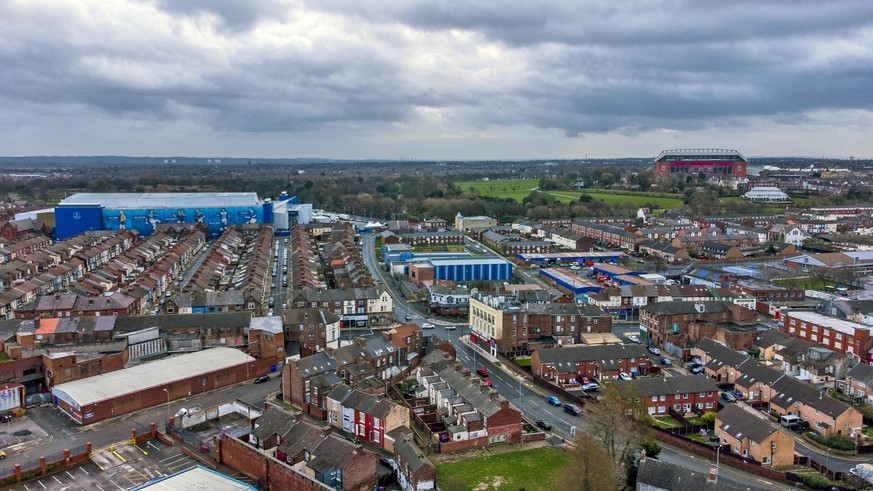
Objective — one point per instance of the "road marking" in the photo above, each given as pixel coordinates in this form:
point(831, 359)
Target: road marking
point(27, 488)
point(41, 484)
point(83, 470)
point(56, 479)
point(72, 476)
point(98, 487)
point(119, 487)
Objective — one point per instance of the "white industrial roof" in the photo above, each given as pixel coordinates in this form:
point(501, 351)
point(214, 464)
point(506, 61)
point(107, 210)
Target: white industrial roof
point(196, 478)
point(844, 326)
point(164, 200)
point(271, 324)
point(467, 262)
point(157, 373)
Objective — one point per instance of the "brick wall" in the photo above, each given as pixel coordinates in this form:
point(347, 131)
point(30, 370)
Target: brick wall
point(271, 473)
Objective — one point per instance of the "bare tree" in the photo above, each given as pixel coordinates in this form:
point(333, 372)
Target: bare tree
point(618, 422)
point(590, 468)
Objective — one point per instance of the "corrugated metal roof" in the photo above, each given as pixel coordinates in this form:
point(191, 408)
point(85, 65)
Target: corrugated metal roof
point(195, 479)
point(130, 380)
point(164, 200)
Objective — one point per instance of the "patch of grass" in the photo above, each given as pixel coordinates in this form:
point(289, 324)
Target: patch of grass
point(522, 362)
point(537, 468)
point(808, 283)
point(640, 199)
point(667, 422)
point(516, 189)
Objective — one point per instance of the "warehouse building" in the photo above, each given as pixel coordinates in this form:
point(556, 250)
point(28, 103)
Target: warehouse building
point(82, 212)
point(105, 396)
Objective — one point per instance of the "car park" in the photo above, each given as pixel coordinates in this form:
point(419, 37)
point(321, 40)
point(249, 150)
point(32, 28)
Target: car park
point(262, 379)
point(625, 376)
point(572, 409)
point(544, 424)
point(653, 350)
point(553, 400)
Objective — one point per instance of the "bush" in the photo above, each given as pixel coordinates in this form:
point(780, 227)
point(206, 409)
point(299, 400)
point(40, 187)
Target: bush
point(836, 442)
point(815, 481)
point(652, 448)
point(708, 418)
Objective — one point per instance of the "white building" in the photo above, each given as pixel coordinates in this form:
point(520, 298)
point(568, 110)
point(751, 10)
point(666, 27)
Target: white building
point(763, 194)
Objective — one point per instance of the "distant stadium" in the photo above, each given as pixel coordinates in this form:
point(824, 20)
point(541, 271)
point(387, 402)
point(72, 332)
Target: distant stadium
point(710, 161)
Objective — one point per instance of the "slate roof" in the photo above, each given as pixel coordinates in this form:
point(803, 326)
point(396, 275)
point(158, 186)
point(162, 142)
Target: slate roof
point(740, 424)
point(720, 355)
point(411, 455)
point(318, 363)
point(333, 451)
point(271, 423)
point(607, 356)
point(684, 307)
point(301, 436)
point(657, 474)
point(861, 372)
point(646, 387)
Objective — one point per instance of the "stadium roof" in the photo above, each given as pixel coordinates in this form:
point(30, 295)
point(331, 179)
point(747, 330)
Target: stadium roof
point(700, 154)
point(148, 375)
point(164, 200)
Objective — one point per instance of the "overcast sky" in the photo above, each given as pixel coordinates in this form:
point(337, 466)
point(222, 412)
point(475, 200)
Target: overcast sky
point(435, 80)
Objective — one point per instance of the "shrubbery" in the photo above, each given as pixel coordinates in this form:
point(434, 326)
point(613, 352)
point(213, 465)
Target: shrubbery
point(836, 442)
point(815, 481)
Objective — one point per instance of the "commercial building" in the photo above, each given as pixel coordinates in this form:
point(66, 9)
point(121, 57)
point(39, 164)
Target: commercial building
point(710, 161)
point(843, 336)
point(197, 478)
point(473, 269)
point(464, 224)
point(124, 391)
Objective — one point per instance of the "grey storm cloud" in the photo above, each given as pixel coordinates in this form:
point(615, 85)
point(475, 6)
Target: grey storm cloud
point(572, 67)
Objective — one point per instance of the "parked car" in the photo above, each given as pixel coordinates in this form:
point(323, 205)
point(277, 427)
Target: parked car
point(482, 371)
point(697, 370)
point(634, 338)
point(653, 350)
point(427, 325)
point(666, 362)
point(262, 379)
point(408, 317)
point(450, 328)
point(590, 387)
point(387, 462)
point(5, 418)
point(572, 409)
point(625, 376)
point(544, 424)
point(738, 394)
point(728, 397)
point(553, 400)
point(487, 381)
point(2, 455)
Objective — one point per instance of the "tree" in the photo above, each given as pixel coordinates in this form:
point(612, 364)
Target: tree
point(617, 421)
point(590, 467)
point(708, 418)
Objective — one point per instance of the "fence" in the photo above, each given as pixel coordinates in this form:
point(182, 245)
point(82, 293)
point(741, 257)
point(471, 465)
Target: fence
point(182, 435)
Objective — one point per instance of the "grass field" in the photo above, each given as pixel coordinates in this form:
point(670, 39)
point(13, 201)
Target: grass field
point(518, 189)
point(515, 189)
point(538, 468)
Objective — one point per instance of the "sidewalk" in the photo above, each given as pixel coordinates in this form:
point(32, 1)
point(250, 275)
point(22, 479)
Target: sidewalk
point(499, 364)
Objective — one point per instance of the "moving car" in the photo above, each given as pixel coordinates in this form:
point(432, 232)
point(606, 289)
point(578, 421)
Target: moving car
point(427, 325)
point(482, 371)
point(653, 350)
point(572, 409)
point(408, 317)
point(544, 424)
point(553, 400)
point(625, 376)
point(262, 379)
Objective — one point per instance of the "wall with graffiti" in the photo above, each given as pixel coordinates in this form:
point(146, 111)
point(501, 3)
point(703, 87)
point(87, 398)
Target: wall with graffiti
point(216, 219)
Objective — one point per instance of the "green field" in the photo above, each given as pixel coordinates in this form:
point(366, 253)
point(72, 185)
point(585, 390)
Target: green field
point(538, 468)
point(518, 189)
point(515, 189)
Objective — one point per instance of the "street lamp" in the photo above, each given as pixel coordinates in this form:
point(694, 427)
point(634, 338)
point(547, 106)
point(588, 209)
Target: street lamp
point(717, 454)
point(168, 404)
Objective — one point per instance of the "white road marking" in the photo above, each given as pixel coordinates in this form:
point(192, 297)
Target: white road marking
point(27, 488)
point(72, 476)
point(41, 484)
point(119, 487)
point(83, 470)
point(56, 479)
point(98, 487)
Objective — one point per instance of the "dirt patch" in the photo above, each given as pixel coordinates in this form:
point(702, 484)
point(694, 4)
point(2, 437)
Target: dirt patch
point(495, 484)
point(481, 452)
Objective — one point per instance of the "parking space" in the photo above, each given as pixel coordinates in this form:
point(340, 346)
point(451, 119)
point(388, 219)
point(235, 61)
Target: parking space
point(20, 430)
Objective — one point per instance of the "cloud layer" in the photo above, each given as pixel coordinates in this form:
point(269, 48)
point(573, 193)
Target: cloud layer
point(394, 79)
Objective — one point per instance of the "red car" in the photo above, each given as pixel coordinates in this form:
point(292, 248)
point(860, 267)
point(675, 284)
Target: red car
point(487, 381)
point(482, 371)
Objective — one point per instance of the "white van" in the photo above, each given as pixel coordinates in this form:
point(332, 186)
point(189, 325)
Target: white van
point(789, 420)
